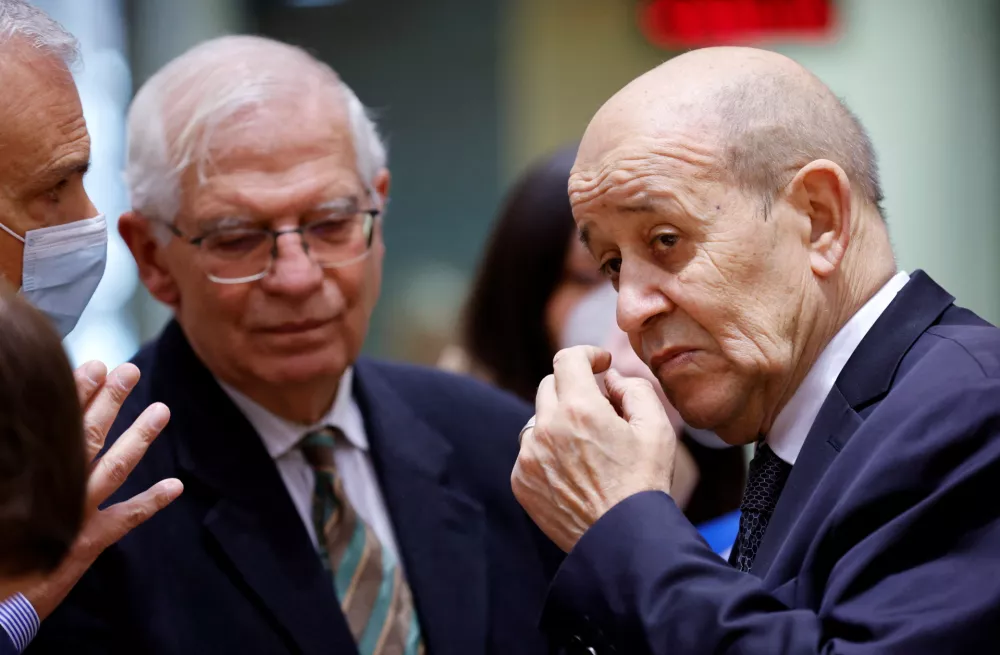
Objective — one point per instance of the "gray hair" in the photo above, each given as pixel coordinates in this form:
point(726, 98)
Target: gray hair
point(178, 110)
point(777, 124)
point(22, 20)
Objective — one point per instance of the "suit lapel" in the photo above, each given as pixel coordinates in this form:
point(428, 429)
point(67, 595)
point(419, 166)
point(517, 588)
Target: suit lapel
point(835, 423)
point(249, 515)
point(866, 378)
point(441, 532)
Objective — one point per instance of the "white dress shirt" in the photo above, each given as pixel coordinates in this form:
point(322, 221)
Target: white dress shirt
point(793, 423)
point(354, 465)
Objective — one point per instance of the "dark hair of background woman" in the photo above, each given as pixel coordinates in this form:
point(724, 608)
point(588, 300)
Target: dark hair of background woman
point(504, 322)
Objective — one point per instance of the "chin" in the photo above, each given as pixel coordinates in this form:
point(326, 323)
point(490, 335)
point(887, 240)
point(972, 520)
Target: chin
point(303, 368)
point(707, 405)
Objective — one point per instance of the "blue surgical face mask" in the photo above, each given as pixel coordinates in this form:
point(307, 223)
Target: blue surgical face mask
point(63, 265)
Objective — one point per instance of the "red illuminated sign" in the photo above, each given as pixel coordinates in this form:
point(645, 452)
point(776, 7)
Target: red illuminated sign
point(695, 23)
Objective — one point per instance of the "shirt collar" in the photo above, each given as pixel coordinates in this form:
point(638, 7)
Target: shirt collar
point(794, 421)
point(280, 435)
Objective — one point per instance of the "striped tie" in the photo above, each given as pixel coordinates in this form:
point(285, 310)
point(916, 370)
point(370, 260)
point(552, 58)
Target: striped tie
point(373, 594)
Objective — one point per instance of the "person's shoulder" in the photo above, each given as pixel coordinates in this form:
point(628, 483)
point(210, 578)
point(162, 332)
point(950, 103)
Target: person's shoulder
point(145, 358)
point(973, 345)
point(478, 419)
point(946, 391)
point(137, 401)
point(429, 389)
point(140, 398)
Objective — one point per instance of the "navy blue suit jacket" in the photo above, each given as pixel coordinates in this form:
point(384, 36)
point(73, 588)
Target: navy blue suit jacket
point(886, 538)
point(6, 645)
point(229, 567)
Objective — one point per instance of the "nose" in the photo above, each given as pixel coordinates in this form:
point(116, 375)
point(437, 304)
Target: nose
point(293, 272)
point(642, 297)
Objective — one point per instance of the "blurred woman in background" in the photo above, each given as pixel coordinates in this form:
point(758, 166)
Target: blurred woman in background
point(533, 273)
point(538, 290)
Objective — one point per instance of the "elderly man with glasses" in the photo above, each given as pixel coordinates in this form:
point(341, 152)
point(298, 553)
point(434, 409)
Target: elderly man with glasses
point(333, 504)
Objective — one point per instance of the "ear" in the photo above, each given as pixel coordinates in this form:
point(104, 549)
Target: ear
point(822, 191)
point(381, 186)
point(140, 237)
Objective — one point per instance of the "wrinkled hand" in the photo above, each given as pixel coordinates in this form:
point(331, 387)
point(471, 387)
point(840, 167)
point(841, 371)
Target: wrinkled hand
point(587, 452)
point(101, 396)
point(626, 362)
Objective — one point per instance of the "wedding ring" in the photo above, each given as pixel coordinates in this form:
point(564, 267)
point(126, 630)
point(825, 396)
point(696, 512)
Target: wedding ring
point(527, 426)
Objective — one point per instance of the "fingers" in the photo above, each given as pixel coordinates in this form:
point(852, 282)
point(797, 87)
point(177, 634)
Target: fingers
point(637, 401)
point(115, 522)
point(574, 370)
point(89, 379)
point(115, 465)
point(104, 406)
point(545, 398)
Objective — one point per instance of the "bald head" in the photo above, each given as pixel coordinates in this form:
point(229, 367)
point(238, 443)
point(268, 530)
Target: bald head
point(671, 179)
point(765, 115)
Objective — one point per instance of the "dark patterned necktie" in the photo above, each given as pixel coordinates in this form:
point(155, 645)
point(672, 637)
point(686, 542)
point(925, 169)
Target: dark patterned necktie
point(765, 480)
point(373, 593)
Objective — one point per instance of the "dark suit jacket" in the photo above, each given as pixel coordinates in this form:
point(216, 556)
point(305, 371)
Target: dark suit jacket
point(886, 538)
point(6, 645)
point(229, 567)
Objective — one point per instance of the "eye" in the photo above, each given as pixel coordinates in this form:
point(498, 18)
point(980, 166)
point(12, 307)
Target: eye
point(667, 241)
point(234, 243)
point(611, 268)
point(55, 192)
point(336, 229)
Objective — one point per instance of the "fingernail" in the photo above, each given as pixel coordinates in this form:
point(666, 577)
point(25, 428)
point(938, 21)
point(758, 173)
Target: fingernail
point(172, 486)
point(126, 382)
point(95, 371)
point(160, 416)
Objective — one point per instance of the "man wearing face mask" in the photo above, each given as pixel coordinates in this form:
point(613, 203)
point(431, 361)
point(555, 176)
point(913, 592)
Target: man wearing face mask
point(53, 247)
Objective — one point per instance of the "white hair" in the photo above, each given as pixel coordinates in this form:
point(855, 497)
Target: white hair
point(22, 20)
point(175, 114)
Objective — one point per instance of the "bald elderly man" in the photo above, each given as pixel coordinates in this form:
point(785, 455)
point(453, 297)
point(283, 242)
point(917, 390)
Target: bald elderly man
point(734, 202)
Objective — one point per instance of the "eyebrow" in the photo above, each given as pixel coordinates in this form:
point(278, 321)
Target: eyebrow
point(64, 170)
point(231, 221)
point(346, 204)
point(223, 223)
point(644, 207)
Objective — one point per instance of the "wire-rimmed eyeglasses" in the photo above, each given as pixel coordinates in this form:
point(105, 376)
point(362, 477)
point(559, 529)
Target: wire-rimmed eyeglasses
point(234, 255)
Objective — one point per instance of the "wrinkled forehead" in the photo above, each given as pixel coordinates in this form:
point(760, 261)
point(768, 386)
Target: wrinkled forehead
point(257, 132)
point(209, 126)
point(630, 171)
point(41, 118)
point(272, 160)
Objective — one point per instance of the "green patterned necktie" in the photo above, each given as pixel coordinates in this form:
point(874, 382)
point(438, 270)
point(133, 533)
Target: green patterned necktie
point(369, 582)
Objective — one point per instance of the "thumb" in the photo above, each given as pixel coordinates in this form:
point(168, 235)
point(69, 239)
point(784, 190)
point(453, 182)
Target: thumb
point(637, 401)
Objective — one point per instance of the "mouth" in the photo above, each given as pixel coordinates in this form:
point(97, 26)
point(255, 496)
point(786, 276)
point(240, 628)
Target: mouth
point(669, 359)
point(295, 327)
